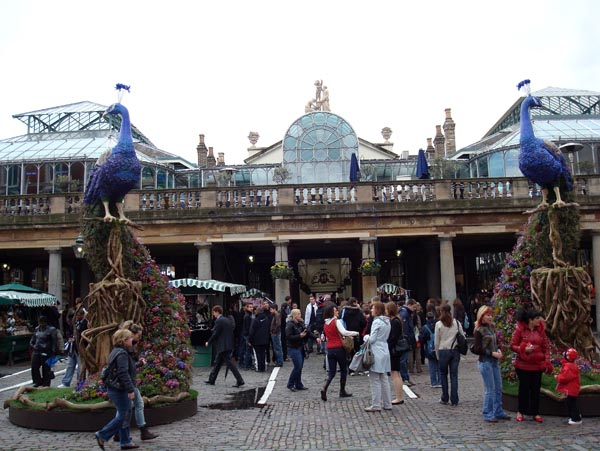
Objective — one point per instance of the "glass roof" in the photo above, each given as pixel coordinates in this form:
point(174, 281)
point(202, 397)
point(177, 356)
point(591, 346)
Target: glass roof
point(554, 130)
point(54, 146)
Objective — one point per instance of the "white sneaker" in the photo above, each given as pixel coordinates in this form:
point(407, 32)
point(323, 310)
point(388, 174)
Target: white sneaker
point(62, 386)
point(574, 422)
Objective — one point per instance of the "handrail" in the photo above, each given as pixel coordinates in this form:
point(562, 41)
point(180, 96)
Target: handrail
point(307, 195)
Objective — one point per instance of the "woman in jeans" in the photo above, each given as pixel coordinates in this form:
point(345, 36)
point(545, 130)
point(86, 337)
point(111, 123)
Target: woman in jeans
point(336, 354)
point(122, 392)
point(295, 333)
point(486, 346)
point(447, 353)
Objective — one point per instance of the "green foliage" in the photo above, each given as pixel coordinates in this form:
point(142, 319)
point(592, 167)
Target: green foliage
point(369, 267)
point(569, 230)
point(281, 270)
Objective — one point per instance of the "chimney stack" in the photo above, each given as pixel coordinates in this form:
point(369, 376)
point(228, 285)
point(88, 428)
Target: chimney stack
point(439, 142)
point(202, 151)
point(430, 150)
point(221, 159)
point(449, 131)
point(210, 158)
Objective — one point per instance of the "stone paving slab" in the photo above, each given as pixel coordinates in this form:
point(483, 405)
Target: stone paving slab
point(301, 421)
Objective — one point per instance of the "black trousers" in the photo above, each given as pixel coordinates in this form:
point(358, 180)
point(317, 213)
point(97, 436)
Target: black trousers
point(260, 351)
point(530, 383)
point(37, 362)
point(225, 358)
point(573, 408)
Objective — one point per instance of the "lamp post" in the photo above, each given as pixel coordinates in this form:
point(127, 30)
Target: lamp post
point(79, 247)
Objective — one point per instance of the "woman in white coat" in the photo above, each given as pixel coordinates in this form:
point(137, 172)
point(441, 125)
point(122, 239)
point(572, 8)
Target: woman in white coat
point(381, 394)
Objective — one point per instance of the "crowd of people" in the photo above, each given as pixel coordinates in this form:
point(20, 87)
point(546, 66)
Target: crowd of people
point(401, 334)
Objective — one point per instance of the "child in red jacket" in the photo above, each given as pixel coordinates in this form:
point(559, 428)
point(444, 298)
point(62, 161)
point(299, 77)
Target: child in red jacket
point(569, 384)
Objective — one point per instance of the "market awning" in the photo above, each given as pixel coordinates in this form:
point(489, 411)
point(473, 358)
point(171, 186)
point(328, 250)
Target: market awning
point(209, 284)
point(253, 292)
point(15, 293)
point(390, 288)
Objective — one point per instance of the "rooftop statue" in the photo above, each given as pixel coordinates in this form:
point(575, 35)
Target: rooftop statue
point(321, 100)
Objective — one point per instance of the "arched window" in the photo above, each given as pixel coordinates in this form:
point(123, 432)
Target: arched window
point(318, 147)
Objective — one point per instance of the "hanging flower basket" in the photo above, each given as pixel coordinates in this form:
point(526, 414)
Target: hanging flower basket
point(281, 270)
point(369, 267)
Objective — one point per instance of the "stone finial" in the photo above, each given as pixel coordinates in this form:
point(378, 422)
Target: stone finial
point(253, 137)
point(386, 132)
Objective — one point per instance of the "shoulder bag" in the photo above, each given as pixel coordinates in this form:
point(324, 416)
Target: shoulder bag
point(460, 340)
point(347, 342)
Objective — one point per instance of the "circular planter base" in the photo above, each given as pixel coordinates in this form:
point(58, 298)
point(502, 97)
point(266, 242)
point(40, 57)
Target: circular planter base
point(589, 405)
point(89, 421)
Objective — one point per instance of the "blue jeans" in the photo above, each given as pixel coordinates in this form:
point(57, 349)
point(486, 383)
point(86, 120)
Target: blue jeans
point(244, 353)
point(120, 423)
point(492, 384)
point(404, 365)
point(449, 360)
point(434, 372)
point(295, 379)
point(72, 363)
point(277, 351)
point(138, 409)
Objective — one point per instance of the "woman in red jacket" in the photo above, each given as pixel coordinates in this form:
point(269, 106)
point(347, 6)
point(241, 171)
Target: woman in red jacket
point(530, 344)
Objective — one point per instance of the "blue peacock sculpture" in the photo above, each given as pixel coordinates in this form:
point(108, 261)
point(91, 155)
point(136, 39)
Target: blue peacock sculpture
point(117, 171)
point(541, 161)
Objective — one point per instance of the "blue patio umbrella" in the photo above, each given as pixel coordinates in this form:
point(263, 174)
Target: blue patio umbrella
point(354, 169)
point(422, 167)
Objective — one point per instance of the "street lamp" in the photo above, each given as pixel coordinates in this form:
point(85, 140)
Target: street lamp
point(79, 247)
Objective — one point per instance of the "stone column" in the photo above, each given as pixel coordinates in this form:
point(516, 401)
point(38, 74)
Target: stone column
point(204, 260)
point(282, 286)
point(369, 283)
point(596, 261)
point(55, 272)
point(448, 279)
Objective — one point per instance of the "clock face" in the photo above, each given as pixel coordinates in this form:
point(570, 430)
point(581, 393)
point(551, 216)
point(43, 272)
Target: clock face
point(318, 146)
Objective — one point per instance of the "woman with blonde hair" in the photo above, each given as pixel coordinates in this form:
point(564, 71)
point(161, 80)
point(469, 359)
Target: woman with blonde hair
point(486, 346)
point(138, 403)
point(391, 310)
point(380, 385)
point(120, 386)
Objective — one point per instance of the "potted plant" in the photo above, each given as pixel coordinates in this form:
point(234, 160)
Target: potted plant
point(369, 267)
point(280, 270)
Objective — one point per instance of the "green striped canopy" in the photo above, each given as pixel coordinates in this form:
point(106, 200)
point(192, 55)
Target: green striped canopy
point(209, 284)
point(15, 293)
point(389, 288)
point(253, 292)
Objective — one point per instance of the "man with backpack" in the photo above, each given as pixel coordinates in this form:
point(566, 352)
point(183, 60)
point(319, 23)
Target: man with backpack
point(427, 337)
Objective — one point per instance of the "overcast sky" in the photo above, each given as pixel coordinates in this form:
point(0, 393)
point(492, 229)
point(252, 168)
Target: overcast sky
point(225, 68)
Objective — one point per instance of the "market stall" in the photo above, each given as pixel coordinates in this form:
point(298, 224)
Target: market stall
point(200, 297)
point(15, 328)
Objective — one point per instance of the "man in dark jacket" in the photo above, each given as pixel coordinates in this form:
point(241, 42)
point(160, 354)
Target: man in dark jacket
point(353, 316)
point(259, 338)
point(43, 342)
point(245, 353)
point(222, 337)
point(406, 315)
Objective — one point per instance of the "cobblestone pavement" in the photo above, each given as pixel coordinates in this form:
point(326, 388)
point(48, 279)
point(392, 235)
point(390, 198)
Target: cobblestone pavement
point(301, 421)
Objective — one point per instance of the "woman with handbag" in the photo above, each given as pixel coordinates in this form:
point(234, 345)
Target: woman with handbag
point(447, 353)
point(121, 390)
point(378, 372)
point(397, 345)
point(333, 330)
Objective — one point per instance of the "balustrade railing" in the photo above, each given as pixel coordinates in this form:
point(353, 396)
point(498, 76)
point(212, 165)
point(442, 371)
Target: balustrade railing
point(308, 195)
